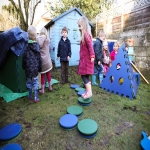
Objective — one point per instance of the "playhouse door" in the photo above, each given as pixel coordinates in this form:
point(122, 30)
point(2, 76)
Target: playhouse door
point(74, 37)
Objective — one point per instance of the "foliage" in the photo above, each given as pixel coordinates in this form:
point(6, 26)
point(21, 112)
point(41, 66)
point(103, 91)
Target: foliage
point(8, 18)
point(90, 8)
point(25, 10)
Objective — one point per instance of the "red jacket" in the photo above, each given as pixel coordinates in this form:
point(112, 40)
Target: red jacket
point(112, 55)
point(86, 53)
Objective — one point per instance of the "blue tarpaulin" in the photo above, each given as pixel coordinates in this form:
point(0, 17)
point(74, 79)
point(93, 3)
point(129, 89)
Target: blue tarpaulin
point(14, 39)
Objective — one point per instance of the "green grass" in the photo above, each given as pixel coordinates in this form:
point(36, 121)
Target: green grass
point(120, 120)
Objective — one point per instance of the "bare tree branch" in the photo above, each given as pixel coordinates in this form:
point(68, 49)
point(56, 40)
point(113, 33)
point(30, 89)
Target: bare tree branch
point(34, 11)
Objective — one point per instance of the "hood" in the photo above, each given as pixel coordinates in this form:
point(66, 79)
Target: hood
point(34, 46)
point(41, 40)
point(65, 40)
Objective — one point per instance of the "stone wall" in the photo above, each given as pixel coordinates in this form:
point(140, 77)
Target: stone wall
point(142, 58)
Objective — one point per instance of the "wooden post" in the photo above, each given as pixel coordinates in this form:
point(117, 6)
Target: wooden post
point(139, 72)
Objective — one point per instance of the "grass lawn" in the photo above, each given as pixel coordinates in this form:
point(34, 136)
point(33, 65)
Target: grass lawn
point(120, 120)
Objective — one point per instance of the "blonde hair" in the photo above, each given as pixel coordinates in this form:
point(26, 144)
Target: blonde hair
point(101, 33)
point(32, 33)
point(117, 43)
point(43, 31)
point(86, 28)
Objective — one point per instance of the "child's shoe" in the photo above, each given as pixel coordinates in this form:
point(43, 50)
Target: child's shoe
point(50, 86)
point(42, 91)
point(94, 80)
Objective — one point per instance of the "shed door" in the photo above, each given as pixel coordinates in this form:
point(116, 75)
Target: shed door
point(74, 37)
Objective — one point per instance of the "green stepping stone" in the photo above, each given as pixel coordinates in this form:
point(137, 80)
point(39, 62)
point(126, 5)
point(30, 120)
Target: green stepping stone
point(80, 89)
point(84, 101)
point(76, 110)
point(87, 126)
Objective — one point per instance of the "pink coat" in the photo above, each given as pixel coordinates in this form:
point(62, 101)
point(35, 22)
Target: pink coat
point(112, 55)
point(86, 53)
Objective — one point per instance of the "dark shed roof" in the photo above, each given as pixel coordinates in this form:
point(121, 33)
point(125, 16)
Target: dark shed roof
point(65, 13)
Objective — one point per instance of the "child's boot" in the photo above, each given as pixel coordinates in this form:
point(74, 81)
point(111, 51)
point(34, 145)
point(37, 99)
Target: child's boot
point(30, 94)
point(36, 99)
point(100, 79)
point(94, 80)
point(88, 93)
point(42, 89)
point(50, 86)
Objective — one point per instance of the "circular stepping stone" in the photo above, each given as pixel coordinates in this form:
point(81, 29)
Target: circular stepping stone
point(79, 89)
point(13, 146)
point(80, 93)
point(88, 136)
point(84, 104)
point(84, 101)
point(76, 110)
point(73, 86)
point(68, 121)
point(10, 131)
point(87, 127)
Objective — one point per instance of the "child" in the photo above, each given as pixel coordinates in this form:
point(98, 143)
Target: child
point(31, 62)
point(114, 53)
point(44, 41)
point(106, 57)
point(86, 62)
point(98, 67)
point(64, 52)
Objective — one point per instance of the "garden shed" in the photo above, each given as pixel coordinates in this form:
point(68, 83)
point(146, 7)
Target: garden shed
point(54, 27)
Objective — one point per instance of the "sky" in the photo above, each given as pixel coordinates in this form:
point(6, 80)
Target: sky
point(3, 2)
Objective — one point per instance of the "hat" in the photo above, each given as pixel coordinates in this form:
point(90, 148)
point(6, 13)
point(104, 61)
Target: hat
point(105, 43)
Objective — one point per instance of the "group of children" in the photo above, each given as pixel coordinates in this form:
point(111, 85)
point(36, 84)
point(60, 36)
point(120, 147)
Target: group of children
point(94, 59)
point(36, 59)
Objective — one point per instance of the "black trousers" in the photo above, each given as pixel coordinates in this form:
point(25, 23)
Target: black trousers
point(85, 78)
point(64, 71)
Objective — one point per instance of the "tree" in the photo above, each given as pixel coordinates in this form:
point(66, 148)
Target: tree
point(90, 8)
point(8, 18)
point(26, 11)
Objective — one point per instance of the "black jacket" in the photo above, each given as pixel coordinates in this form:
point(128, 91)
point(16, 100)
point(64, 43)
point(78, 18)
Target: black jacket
point(31, 61)
point(64, 49)
point(98, 51)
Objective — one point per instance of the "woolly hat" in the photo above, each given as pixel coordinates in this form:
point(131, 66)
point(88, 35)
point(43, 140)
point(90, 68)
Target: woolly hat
point(32, 33)
point(105, 43)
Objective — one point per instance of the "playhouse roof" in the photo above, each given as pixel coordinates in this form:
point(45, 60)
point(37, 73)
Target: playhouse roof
point(65, 13)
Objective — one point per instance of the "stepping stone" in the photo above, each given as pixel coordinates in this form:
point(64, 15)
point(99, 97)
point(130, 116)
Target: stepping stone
point(76, 110)
point(80, 93)
point(73, 86)
point(68, 121)
point(84, 102)
point(80, 89)
point(10, 131)
point(87, 128)
point(13, 146)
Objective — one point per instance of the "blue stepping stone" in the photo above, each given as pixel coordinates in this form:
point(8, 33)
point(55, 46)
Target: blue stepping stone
point(10, 131)
point(68, 121)
point(80, 93)
point(13, 146)
point(73, 86)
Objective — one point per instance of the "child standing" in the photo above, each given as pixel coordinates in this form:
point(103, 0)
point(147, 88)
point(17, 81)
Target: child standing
point(106, 57)
point(115, 51)
point(44, 41)
point(64, 52)
point(86, 62)
point(98, 67)
point(31, 62)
